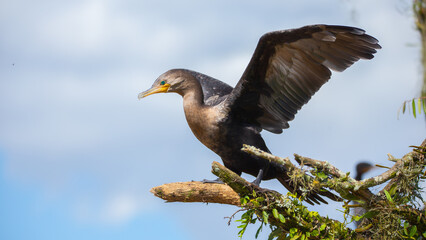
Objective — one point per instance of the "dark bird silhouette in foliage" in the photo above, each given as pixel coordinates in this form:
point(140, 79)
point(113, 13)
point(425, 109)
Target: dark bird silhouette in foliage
point(361, 169)
point(285, 71)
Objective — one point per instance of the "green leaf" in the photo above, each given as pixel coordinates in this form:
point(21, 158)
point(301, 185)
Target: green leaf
point(258, 231)
point(245, 200)
point(413, 105)
point(282, 218)
point(294, 237)
point(265, 217)
point(357, 218)
point(272, 235)
point(403, 107)
point(419, 105)
point(305, 212)
point(322, 175)
point(388, 196)
point(275, 213)
point(405, 228)
point(413, 231)
point(313, 214)
point(370, 214)
point(323, 226)
point(392, 190)
point(245, 215)
point(424, 234)
point(315, 233)
point(424, 105)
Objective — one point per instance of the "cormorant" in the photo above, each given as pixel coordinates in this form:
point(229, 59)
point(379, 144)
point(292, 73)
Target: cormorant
point(361, 169)
point(285, 71)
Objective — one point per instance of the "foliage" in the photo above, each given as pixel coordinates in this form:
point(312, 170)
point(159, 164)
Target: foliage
point(288, 218)
point(416, 105)
point(419, 10)
point(394, 213)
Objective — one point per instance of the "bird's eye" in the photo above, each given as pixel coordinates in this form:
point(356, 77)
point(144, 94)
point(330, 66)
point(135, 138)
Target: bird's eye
point(162, 82)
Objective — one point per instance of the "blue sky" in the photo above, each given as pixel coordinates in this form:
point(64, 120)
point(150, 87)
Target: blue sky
point(26, 214)
point(79, 152)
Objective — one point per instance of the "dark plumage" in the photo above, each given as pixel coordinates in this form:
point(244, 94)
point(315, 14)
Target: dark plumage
point(286, 69)
point(361, 169)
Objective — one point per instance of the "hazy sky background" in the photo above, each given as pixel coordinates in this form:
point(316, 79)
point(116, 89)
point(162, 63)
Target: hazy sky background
point(79, 152)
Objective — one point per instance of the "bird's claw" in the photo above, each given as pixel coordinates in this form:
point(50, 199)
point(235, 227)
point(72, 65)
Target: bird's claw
point(213, 181)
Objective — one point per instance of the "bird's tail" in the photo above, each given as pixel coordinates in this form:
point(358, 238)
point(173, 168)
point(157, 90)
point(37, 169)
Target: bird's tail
point(312, 197)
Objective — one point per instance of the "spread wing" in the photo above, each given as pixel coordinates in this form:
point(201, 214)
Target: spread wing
point(288, 67)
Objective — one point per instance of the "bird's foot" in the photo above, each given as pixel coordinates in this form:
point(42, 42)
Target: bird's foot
point(213, 181)
point(256, 182)
point(258, 178)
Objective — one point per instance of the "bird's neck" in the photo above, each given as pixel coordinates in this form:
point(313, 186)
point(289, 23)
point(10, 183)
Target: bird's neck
point(193, 106)
point(193, 98)
point(202, 119)
point(193, 95)
point(358, 177)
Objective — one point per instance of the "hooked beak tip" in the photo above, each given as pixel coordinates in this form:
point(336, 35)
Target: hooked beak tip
point(140, 96)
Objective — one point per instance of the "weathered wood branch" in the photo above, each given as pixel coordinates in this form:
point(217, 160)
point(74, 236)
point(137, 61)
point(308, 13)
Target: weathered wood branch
point(237, 186)
point(197, 192)
point(228, 193)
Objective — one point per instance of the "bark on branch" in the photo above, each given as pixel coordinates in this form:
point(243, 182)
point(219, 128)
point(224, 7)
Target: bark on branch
point(197, 192)
point(237, 187)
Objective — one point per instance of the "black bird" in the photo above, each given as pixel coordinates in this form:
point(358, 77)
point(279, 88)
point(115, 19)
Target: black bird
point(361, 169)
point(285, 71)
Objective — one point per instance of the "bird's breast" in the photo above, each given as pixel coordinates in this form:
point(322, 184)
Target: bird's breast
point(205, 124)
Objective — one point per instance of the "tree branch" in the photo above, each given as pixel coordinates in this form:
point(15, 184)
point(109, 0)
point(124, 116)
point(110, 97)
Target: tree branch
point(197, 192)
point(285, 212)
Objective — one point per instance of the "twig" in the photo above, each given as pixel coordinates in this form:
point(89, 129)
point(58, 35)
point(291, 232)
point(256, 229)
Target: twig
point(233, 215)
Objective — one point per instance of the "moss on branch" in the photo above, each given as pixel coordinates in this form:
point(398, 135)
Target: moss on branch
point(392, 213)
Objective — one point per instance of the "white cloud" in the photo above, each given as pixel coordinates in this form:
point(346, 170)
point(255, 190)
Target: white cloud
point(111, 210)
point(121, 207)
point(80, 28)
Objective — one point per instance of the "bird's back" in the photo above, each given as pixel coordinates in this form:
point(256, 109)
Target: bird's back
point(214, 91)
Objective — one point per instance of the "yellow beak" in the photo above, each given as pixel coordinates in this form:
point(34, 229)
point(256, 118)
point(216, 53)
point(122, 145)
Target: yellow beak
point(157, 89)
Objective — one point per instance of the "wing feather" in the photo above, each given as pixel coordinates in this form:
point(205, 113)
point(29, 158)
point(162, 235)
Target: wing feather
point(288, 67)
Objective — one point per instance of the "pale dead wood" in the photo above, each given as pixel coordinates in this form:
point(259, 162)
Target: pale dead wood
point(197, 192)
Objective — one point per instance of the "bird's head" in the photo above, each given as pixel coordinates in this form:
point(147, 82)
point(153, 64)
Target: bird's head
point(362, 168)
point(176, 80)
